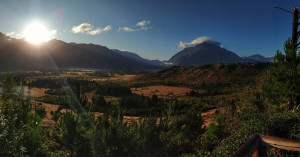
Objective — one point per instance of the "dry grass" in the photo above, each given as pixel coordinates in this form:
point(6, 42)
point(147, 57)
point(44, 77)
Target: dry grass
point(161, 91)
point(35, 92)
point(47, 121)
point(211, 74)
point(208, 116)
point(121, 78)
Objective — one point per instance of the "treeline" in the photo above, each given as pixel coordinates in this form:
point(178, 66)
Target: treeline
point(102, 74)
point(112, 89)
point(132, 105)
point(86, 85)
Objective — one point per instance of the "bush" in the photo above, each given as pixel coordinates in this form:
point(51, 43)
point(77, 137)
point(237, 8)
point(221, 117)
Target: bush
point(280, 125)
point(98, 104)
point(213, 133)
point(113, 90)
point(40, 111)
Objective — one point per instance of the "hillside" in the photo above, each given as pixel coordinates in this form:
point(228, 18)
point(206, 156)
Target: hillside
point(235, 73)
point(17, 54)
point(139, 58)
point(204, 53)
point(259, 58)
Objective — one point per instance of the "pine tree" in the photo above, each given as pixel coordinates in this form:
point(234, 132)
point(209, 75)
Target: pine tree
point(284, 83)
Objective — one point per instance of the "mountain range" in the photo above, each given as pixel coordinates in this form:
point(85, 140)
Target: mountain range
point(18, 54)
point(139, 58)
point(211, 53)
point(259, 58)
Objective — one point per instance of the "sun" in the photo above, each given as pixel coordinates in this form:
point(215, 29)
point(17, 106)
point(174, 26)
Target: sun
point(36, 33)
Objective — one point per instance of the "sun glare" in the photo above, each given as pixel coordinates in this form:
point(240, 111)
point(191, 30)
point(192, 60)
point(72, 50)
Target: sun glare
point(36, 33)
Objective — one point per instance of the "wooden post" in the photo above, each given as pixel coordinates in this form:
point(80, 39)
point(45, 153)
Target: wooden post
point(262, 150)
point(255, 154)
point(257, 146)
point(249, 148)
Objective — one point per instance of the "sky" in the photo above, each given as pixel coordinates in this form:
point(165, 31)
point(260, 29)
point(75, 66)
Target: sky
point(156, 29)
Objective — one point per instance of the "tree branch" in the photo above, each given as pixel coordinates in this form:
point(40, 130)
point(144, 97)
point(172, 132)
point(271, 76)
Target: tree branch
point(283, 10)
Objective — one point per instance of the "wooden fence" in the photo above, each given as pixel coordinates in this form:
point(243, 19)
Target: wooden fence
point(258, 144)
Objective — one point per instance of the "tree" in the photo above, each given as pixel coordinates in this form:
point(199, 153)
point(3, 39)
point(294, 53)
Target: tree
point(284, 82)
point(99, 104)
point(8, 92)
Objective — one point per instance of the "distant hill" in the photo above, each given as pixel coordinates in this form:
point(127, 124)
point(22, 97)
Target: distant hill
point(139, 58)
point(233, 73)
point(18, 54)
point(204, 53)
point(211, 53)
point(259, 58)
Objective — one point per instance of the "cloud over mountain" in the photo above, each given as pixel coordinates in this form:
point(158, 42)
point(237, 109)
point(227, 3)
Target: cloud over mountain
point(197, 41)
point(99, 30)
point(84, 27)
point(89, 29)
point(127, 29)
point(141, 25)
point(52, 33)
point(10, 33)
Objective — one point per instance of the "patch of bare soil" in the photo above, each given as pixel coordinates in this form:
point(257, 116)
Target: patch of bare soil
point(47, 121)
point(208, 117)
point(35, 92)
point(116, 78)
point(161, 91)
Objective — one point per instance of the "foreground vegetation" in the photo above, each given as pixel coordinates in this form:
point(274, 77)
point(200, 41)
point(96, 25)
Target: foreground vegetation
point(170, 126)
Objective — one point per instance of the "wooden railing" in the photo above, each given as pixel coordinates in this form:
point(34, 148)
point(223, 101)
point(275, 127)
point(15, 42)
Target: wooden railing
point(258, 144)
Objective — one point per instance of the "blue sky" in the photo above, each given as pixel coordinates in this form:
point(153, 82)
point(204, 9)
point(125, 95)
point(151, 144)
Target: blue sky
point(242, 26)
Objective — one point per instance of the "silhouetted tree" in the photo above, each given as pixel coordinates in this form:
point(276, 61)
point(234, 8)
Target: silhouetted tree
point(284, 83)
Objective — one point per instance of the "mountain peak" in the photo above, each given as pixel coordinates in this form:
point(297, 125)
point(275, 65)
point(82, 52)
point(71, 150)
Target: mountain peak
point(4, 36)
point(208, 52)
point(65, 55)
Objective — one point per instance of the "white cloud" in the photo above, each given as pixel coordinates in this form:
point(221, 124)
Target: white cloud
point(145, 28)
point(127, 29)
point(99, 30)
point(95, 31)
point(89, 29)
point(52, 33)
point(143, 23)
point(10, 33)
point(199, 40)
point(107, 28)
point(84, 27)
